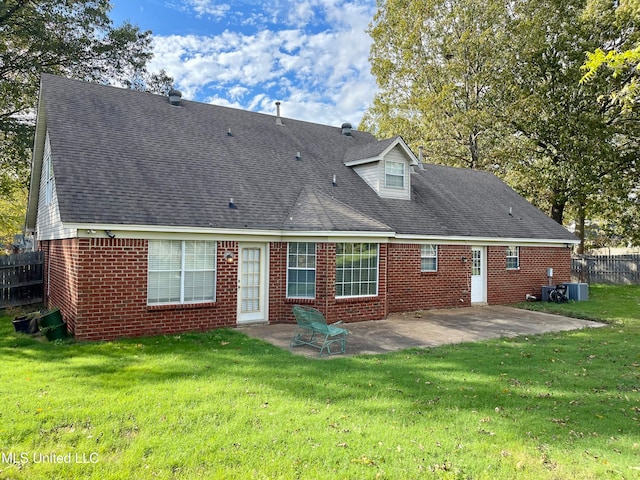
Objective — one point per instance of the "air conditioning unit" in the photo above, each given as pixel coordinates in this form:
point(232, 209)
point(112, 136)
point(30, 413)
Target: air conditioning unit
point(578, 291)
point(545, 292)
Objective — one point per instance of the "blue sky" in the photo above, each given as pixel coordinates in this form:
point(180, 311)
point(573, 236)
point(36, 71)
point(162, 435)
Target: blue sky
point(311, 55)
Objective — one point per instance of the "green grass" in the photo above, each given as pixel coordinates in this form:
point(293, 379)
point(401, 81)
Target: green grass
point(616, 304)
point(221, 405)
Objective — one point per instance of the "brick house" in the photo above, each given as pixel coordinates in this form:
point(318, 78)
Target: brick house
point(160, 215)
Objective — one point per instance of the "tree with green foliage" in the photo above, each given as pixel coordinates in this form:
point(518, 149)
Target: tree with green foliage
point(503, 93)
point(12, 208)
point(434, 62)
point(623, 65)
point(615, 65)
point(575, 150)
point(73, 38)
point(620, 57)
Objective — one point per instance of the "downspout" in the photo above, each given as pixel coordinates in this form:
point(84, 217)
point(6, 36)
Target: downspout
point(48, 255)
point(469, 292)
point(386, 281)
point(326, 276)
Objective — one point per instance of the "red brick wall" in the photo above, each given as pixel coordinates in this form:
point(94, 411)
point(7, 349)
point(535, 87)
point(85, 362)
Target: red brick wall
point(112, 289)
point(509, 286)
point(111, 292)
point(278, 310)
point(60, 277)
point(100, 285)
point(410, 289)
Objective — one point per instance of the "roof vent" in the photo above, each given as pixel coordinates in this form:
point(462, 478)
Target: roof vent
point(346, 129)
point(278, 118)
point(175, 96)
point(421, 157)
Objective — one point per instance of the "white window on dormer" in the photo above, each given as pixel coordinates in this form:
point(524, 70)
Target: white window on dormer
point(394, 174)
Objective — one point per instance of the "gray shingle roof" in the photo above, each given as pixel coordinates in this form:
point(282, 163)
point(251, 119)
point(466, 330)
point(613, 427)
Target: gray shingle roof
point(131, 158)
point(369, 150)
point(314, 210)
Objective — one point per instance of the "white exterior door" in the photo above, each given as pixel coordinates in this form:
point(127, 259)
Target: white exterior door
point(252, 283)
point(478, 275)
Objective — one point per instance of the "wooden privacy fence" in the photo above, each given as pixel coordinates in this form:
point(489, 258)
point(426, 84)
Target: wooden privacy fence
point(611, 269)
point(21, 279)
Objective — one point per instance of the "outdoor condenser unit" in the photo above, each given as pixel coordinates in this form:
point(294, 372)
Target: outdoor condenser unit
point(578, 291)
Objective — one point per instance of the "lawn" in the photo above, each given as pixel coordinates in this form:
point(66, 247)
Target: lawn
point(222, 405)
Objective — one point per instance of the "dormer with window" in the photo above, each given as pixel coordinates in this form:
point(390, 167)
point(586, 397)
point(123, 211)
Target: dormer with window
point(385, 166)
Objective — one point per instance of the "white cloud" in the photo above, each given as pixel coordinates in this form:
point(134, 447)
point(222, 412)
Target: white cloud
point(300, 14)
point(223, 102)
point(237, 92)
point(207, 7)
point(320, 75)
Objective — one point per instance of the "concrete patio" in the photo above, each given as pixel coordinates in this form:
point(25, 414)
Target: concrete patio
point(429, 328)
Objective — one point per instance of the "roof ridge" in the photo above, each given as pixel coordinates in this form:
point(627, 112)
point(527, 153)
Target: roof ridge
point(316, 207)
point(48, 77)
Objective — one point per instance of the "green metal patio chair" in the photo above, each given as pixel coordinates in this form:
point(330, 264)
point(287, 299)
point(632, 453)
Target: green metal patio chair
point(305, 335)
point(314, 331)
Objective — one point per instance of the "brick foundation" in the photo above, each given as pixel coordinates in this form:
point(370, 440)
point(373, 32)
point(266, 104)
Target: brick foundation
point(100, 285)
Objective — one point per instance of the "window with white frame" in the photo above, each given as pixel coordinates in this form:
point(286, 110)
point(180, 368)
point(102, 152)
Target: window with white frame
point(394, 174)
point(429, 258)
point(356, 269)
point(181, 271)
point(301, 270)
point(513, 258)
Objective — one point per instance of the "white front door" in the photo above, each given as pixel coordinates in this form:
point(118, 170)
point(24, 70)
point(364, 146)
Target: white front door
point(252, 283)
point(478, 275)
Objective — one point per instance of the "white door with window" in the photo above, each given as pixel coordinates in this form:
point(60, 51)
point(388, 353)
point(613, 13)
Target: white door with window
point(252, 283)
point(478, 275)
